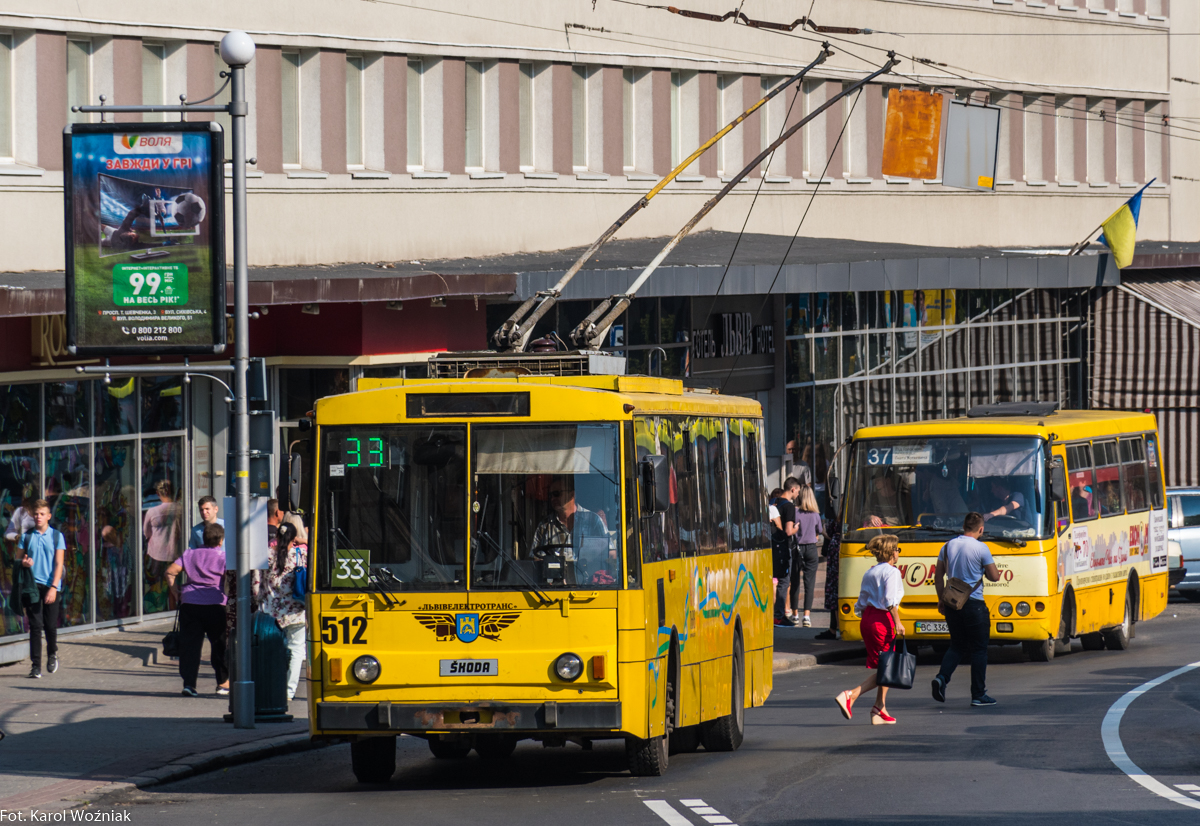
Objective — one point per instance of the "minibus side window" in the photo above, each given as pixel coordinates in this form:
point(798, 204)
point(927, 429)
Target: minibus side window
point(1108, 478)
point(1155, 475)
point(1082, 481)
point(1133, 472)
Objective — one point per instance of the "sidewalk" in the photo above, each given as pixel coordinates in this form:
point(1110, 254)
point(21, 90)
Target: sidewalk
point(797, 648)
point(113, 714)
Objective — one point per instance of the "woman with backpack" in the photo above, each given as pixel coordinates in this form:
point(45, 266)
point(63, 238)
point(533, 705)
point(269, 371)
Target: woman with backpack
point(280, 596)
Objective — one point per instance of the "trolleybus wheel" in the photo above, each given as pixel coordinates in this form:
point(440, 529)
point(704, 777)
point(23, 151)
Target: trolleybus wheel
point(685, 740)
point(448, 749)
point(373, 759)
point(726, 733)
point(1092, 642)
point(649, 757)
point(1117, 639)
point(495, 746)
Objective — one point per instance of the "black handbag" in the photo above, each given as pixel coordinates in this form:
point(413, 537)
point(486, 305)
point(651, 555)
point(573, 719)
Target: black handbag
point(897, 668)
point(170, 641)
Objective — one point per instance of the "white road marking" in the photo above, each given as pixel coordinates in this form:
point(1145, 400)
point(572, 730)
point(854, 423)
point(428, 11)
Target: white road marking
point(667, 812)
point(1110, 733)
point(703, 810)
point(694, 802)
point(720, 820)
point(1187, 787)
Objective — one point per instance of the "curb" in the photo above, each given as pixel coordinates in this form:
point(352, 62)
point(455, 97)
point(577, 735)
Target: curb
point(208, 761)
point(785, 662)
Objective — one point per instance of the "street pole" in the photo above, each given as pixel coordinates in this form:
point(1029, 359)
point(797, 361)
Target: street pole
point(237, 49)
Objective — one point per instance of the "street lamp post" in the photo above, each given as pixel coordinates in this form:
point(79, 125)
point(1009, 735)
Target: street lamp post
point(237, 49)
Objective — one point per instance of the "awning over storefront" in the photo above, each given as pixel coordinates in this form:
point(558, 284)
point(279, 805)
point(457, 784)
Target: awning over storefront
point(1146, 356)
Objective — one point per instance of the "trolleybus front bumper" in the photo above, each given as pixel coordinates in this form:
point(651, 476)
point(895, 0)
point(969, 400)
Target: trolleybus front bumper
point(548, 716)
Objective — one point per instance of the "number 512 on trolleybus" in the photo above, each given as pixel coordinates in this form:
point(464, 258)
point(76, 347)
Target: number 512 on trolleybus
point(1074, 518)
point(564, 559)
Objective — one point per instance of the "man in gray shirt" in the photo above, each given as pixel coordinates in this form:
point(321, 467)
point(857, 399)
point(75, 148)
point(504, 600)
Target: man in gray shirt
point(965, 557)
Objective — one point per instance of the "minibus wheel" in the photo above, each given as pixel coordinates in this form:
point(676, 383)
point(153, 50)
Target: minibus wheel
point(373, 759)
point(726, 733)
point(1117, 639)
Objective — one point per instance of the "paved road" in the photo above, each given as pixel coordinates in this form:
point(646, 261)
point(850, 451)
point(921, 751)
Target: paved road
point(1036, 758)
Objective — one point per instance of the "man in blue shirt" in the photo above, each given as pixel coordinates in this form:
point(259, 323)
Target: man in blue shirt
point(208, 516)
point(43, 550)
point(965, 557)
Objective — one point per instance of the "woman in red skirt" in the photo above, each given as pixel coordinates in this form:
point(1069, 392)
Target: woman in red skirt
point(879, 606)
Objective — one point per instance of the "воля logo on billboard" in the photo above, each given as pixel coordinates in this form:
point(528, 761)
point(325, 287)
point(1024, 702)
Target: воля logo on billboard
point(169, 144)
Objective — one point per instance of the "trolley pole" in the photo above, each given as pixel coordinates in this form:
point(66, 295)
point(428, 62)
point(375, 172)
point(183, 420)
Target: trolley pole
point(237, 49)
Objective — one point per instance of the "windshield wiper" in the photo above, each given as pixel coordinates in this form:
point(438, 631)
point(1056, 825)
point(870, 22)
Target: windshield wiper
point(377, 575)
point(513, 565)
point(1020, 543)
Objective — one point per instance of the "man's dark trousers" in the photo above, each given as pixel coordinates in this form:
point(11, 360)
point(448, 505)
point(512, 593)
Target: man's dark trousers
point(43, 618)
point(970, 627)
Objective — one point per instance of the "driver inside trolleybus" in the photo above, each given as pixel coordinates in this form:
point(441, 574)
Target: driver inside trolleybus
point(568, 524)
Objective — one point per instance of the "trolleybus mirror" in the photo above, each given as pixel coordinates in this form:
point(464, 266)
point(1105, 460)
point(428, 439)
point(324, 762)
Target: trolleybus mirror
point(656, 485)
point(1058, 481)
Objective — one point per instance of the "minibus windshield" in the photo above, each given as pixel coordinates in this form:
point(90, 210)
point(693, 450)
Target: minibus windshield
point(546, 507)
point(921, 488)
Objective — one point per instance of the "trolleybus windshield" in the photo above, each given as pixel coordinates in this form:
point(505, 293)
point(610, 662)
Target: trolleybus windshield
point(393, 513)
point(546, 506)
point(923, 487)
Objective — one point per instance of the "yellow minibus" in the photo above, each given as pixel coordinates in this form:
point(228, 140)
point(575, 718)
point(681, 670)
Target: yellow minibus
point(1079, 531)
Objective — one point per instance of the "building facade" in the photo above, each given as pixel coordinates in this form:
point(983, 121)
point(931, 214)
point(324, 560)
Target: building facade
point(418, 170)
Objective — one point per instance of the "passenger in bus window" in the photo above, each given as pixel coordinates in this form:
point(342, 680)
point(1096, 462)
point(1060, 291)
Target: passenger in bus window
point(1012, 503)
point(1081, 502)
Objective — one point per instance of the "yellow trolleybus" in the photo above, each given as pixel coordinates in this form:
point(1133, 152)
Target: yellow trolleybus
point(566, 559)
point(1079, 529)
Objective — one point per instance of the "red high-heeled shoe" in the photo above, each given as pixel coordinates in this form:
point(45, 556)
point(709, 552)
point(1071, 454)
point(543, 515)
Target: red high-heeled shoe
point(844, 702)
point(879, 717)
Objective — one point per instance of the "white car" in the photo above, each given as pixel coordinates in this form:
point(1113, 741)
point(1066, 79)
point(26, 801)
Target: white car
point(1183, 530)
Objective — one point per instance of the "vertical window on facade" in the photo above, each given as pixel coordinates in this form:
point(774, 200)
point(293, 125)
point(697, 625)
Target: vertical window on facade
point(1064, 124)
point(1034, 123)
point(856, 138)
point(289, 84)
point(6, 97)
point(1003, 139)
point(79, 78)
point(627, 78)
point(354, 110)
point(1154, 140)
point(474, 114)
point(1097, 122)
point(579, 117)
point(223, 99)
point(1154, 8)
point(153, 80)
point(676, 127)
point(723, 83)
point(525, 105)
point(416, 155)
point(1125, 137)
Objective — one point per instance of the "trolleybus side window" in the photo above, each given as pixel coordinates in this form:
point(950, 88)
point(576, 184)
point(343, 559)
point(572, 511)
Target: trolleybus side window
point(1133, 472)
point(546, 506)
point(737, 489)
point(1108, 478)
point(1085, 503)
point(1155, 475)
point(709, 440)
point(394, 509)
point(754, 531)
point(659, 531)
point(633, 560)
point(675, 436)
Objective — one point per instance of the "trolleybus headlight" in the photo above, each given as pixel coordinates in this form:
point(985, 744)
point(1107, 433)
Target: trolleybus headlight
point(365, 669)
point(1006, 609)
point(1022, 609)
point(568, 667)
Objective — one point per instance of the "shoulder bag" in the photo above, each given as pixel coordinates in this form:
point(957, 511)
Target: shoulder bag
point(956, 593)
point(897, 667)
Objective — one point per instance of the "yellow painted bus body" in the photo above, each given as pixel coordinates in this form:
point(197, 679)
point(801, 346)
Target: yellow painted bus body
point(695, 609)
point(1118, 555)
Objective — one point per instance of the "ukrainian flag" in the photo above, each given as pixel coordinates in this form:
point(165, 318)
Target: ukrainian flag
point(1120, 229)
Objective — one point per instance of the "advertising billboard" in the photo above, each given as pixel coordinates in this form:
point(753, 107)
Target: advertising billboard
point(145, 238)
